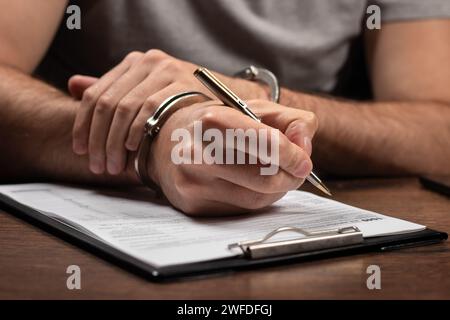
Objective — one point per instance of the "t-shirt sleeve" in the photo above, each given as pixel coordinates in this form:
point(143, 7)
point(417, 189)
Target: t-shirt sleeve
point(395, 10)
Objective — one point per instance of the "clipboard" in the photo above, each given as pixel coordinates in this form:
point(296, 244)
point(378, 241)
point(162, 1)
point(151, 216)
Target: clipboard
point(255, 253)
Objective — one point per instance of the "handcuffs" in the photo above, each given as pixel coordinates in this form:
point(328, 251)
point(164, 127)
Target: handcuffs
point(169, 106)
point(152, 127)
point(265, 76)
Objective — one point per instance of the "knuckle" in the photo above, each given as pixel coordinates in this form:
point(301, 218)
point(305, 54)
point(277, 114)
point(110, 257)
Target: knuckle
point(124, 108)
point(103, 104)
point(208, 117)
point(312, 120)
point(133, 56)
point(151, 103)
point(155, 52)
point(88, 95)
point(173, 66)
point(154, 55)
point(211, 118)
point(296, 128)
point(168, 65)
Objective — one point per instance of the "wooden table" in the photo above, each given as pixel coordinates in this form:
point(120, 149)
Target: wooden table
point(33, 262)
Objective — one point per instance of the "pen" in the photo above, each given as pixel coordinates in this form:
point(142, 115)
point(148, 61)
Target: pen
point(230, 99)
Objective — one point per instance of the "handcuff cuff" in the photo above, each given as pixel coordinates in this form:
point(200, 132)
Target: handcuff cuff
point(153, 126)
point(264, 76)
point(169, 106)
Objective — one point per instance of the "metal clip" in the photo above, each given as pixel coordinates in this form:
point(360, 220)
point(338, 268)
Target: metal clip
point(312, 241)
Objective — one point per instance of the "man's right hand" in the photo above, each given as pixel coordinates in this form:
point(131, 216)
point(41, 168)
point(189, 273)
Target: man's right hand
point(201, 189)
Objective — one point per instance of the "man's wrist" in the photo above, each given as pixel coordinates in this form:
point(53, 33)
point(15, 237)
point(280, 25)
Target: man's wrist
point(298, 100)
point(320, 106)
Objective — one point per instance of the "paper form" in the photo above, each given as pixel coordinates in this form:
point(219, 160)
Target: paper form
point(152, 231)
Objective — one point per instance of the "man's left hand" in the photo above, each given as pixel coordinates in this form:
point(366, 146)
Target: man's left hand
point(115, 107)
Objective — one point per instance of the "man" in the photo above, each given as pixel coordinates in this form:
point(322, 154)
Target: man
point(405, 130)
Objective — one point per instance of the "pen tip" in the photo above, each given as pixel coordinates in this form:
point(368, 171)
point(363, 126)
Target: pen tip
point(325, 190)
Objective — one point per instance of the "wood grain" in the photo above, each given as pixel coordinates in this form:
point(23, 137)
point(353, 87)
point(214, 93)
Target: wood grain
point(33, 262)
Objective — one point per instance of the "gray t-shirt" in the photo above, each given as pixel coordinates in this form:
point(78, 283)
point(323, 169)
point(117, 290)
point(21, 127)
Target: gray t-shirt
point(304, 42)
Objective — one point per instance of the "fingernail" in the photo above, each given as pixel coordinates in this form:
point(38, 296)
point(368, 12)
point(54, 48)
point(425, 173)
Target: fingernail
point(96, 166)
point(304, 169)
point(307, 146)
point(112, 167)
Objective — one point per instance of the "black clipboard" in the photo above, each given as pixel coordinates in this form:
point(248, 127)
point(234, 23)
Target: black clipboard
point(352, 245)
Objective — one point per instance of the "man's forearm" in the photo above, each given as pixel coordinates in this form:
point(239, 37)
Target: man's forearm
point(35, 131)
point(379, 138)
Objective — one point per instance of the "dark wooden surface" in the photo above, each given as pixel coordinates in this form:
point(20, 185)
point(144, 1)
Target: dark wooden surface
point(33, 262)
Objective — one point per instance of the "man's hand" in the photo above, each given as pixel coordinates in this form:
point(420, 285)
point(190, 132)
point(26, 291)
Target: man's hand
point(230, 188)
point(114, 109)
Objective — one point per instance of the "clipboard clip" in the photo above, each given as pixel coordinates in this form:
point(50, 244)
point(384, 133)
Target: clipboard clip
point(311, 241)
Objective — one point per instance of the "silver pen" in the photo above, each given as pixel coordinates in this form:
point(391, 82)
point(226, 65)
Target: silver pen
point(230, 99)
